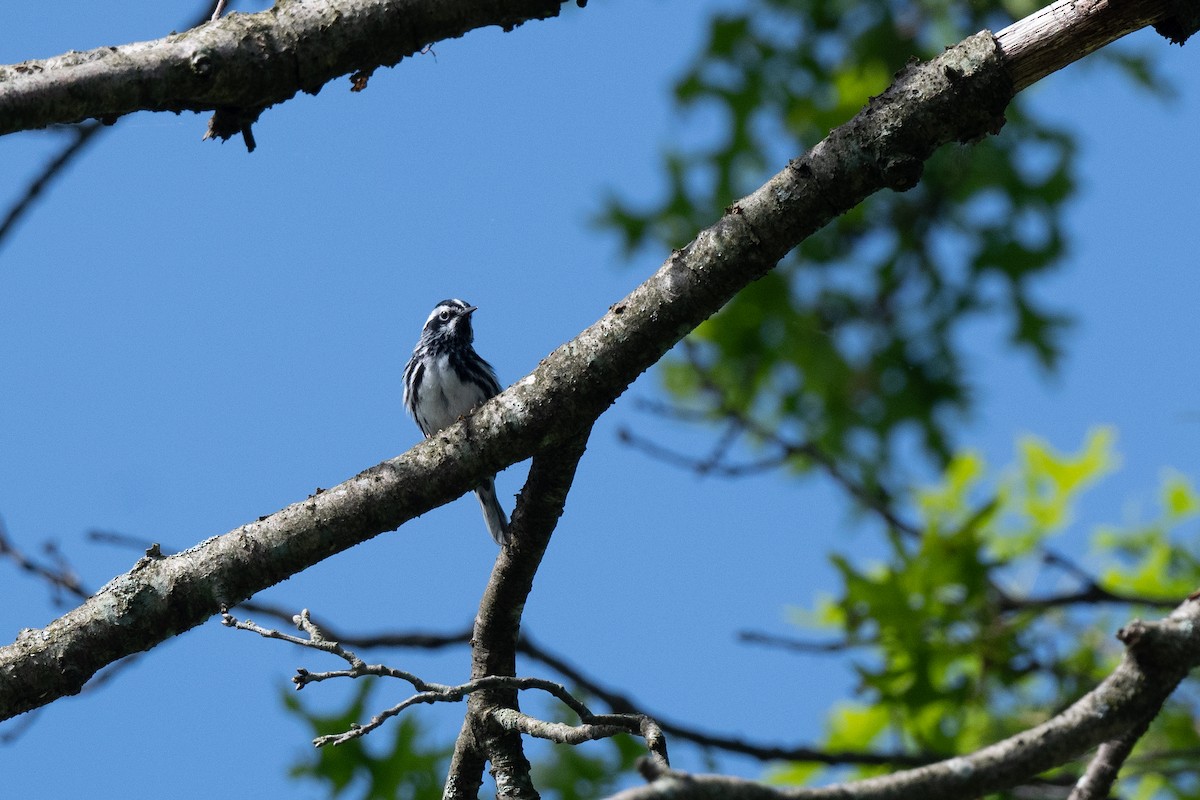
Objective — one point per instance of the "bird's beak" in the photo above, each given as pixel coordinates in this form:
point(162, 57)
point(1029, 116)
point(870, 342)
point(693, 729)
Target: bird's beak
point(469, 309)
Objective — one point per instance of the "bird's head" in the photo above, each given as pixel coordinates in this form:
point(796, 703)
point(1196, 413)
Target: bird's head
point(450, 321)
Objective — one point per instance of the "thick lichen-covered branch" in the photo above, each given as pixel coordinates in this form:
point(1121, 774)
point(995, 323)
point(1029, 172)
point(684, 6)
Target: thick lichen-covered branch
point(243, 63)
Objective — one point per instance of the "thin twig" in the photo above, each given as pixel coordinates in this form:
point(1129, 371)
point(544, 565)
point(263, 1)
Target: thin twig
point(705, 466)
point(801, 645)
point(1090, 592)
point(123, 540)
point(875, 499)
point(593, 726)
point(60, 576)
point(83, 134)
point(1092, 595)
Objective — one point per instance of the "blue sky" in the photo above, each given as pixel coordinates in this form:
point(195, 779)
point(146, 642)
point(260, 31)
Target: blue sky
point(193, 336)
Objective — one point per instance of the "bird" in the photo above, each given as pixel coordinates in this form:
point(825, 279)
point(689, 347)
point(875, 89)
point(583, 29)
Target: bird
point(445, 379)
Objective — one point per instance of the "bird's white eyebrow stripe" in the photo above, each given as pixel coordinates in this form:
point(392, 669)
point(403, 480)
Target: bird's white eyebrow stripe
point(446, 304)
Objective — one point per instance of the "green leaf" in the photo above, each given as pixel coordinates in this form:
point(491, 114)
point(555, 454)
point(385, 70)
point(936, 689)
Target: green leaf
point(1179, 497)
point(855, 727)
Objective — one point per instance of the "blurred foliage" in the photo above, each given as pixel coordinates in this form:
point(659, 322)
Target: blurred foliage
point(858, 338)
point(953, 655)
point(396, 763)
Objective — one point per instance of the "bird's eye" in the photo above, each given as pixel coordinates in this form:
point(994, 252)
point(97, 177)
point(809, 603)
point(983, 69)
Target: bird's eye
point(444, 316)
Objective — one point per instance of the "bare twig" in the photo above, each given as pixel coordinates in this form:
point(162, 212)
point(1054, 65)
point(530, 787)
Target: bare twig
point(218, 11)
point(83, 134)
point(1090, 593)
point(600, 727)
point(122, 540)
point(593, 726)
point(59, 575)
point(801, 645)
point(875, 499)
point(711, 465)
point(616, 701)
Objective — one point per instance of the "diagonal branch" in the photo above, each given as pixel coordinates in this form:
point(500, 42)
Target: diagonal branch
point(1158, 656)
point(958, 97)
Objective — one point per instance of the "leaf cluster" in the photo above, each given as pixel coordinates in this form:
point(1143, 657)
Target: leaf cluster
point(977, 628)
point(861, 334)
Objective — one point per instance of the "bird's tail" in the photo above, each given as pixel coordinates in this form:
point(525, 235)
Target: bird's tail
point(493, 514)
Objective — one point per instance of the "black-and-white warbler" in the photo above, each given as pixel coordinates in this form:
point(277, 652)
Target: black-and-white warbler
point(445, 379)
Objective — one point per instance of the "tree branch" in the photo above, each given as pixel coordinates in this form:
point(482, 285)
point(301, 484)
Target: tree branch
point(244, 63)
point(1102, 771)
point(875, 499)
point(1065, 31)
point(619, 703)
point(958, 97)
point(1158, 656)
point(83, 135)
point(488, 727)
